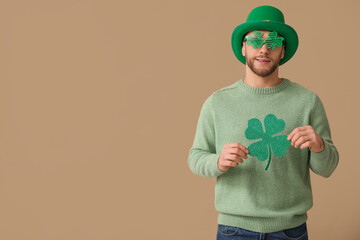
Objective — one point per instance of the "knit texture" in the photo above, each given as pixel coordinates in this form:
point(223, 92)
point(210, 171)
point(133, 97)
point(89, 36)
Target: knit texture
point(248, 196)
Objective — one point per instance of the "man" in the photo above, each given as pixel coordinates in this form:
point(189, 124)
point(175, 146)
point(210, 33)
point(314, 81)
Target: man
point(260, 136)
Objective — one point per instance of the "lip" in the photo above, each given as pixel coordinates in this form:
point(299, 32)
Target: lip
point(262, 60)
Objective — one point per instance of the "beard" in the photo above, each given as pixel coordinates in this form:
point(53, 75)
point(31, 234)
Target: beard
point(263, 72)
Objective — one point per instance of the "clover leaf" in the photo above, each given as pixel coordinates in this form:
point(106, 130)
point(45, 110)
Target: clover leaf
point(262, 149)
point(273, 40)
point(272, 34)
point(257, 33)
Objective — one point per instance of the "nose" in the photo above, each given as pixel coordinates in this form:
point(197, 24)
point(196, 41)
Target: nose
point(264, 49)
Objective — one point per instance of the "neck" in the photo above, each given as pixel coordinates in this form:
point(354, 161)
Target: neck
point(254, 80)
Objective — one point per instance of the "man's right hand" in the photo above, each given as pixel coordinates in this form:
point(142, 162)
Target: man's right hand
point(231, 155)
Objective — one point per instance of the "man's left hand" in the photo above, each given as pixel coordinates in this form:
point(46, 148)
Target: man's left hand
point(306, 137)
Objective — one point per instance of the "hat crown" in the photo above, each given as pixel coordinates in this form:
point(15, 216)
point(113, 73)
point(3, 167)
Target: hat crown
point(265, 18)
point(266, 13)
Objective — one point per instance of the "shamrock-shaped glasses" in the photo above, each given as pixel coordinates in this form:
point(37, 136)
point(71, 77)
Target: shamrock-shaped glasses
point(271, 42)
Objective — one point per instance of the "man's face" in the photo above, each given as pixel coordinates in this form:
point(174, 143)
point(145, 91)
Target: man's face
point(262, 61)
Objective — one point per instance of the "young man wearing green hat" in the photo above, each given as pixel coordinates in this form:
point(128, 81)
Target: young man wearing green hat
point(261, 136)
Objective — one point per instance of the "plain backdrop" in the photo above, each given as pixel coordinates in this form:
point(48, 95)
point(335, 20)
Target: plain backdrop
point(99, 103)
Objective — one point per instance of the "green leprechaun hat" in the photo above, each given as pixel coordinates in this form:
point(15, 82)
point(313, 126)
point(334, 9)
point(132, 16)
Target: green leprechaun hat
point(265, 18)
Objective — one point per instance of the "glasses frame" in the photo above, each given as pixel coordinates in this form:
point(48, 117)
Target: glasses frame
point(269, 42)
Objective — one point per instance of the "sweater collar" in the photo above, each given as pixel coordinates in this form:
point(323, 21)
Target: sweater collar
point(263, 91)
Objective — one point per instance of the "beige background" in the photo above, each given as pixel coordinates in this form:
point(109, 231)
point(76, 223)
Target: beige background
point(100, 99)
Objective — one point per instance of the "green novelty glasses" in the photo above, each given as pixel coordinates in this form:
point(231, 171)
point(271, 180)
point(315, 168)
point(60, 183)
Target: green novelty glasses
point(272, 41)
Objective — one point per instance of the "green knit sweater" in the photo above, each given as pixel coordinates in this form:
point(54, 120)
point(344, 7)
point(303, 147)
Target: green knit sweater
point(248, 196)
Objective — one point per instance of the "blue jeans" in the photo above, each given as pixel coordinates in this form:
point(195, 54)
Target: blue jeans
point(234, 233)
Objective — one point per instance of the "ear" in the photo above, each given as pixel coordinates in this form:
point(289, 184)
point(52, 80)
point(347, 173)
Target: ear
point(282, 52)
point(243, 49)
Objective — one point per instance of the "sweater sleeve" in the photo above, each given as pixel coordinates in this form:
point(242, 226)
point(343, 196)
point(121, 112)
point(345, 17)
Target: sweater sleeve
point(324, 162)
point(203, 159)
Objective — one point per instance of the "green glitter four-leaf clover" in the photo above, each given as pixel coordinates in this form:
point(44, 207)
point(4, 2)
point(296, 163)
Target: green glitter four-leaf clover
point(262, 149)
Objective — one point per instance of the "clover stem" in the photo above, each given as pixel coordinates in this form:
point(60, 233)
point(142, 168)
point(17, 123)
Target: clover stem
point(269, 158)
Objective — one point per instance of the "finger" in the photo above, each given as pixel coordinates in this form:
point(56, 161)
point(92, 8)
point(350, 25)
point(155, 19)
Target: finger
point(291, 135)
point(301, 140)
point(238, 152)
point(305, 145)
point(240, 146)
point(233, 157)
point(230, 163)
point(297, 136)
point(296, 130)
point(294, 138)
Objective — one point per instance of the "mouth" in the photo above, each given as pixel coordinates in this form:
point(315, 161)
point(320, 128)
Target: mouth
point(262, 60)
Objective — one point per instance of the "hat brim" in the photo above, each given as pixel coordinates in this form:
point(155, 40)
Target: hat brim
point(284, 30)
